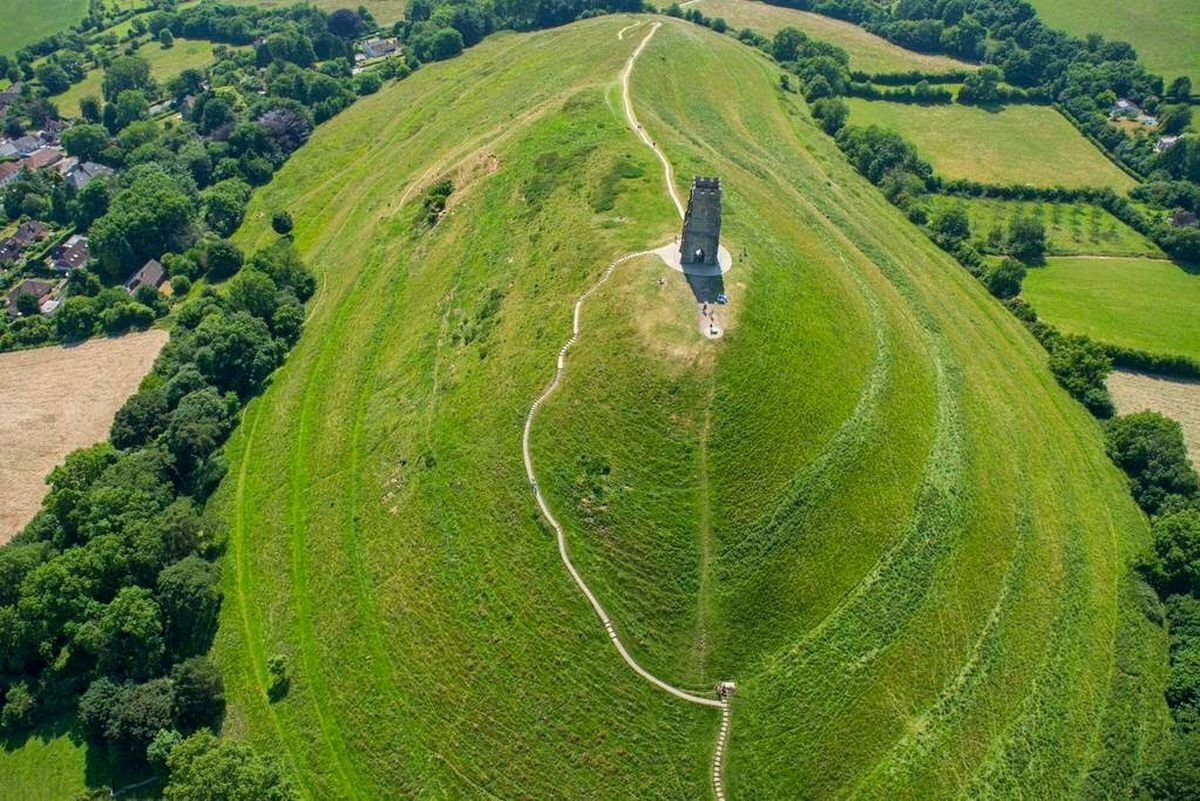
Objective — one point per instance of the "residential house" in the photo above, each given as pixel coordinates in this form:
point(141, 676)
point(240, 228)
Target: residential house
point(27, 145)
point(10, 251)
point(9, 170)
point(152, 274)
point(1182, 218)
point(41, 159)
point(71, 255)
point(8, 96)
point(1125, 108)
point(1165, 143)
point(86, 172)
point(30, 286)
point(378, 48)
point(7, 149)
point(29, 232)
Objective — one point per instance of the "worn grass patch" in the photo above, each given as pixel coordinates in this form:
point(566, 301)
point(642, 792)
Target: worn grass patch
point(1015, 145)
point(1140, 303)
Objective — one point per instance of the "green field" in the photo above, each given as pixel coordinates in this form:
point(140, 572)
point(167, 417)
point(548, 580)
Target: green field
point(1016, 145)
point(868, 52)
point(1166, 33)
point(27, 21)
point(1140, 303)
point(1071, 228)
point(165, 63)
point(869, 503)
point(385, 11)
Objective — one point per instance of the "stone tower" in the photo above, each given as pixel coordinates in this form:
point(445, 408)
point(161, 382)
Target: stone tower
point(702, 224)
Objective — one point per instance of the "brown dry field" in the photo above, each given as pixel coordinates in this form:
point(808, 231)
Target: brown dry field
point(1179, 400)
point(56, 400)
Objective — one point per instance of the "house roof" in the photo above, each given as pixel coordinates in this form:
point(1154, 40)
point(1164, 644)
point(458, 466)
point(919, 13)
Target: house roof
point(151, 274)
point(27, 144)
point(46, 157)
point(86, 172)
point(1183, 218)
point(30, 286)
point(72, 254)
point(30, 231)
point(8, 169)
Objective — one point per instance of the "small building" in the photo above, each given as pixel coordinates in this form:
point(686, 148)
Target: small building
point(9, 170)
point(7, 149)
point(378, 48)
point(27, 145)
point(41, 159)
point(71, 255)
point(1165, 143)
point(85, 173)
point(1125, 108)
point(30, 286)
point(1182, 218)
point(10, 251)
point(702, 223)
point(152, 274)
point(29, 232)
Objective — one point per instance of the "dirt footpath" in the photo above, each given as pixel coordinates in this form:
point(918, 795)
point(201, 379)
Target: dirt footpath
point(1179, 400)
point(55, 400)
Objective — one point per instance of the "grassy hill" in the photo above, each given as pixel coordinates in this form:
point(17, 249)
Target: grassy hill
point(869, 503)
point(27, 21)
point(1015, 145)
point(868, 52)
point(1163, 32)
point(1149, 304)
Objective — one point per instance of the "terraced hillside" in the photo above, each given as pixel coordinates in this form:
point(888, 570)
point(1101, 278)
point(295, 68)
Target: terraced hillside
point(868, 502)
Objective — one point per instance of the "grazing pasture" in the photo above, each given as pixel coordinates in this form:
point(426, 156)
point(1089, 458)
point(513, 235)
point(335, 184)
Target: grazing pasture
point(55, 400)
point(868, 52)
point(165, 63)
point(1142, 303)
point(1163, 32)
point(1071, 228)
point(869, 503)
point(1014, 145)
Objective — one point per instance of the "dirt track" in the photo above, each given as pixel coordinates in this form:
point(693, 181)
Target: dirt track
point(55, 400)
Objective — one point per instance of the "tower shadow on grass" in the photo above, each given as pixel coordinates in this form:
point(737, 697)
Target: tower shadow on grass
point(705, 288)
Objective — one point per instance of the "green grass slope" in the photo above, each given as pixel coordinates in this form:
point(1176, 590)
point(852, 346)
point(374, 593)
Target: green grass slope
point(1149, 304)
point(1164, 32)
point(869, 503)
point(27, 21)
point(1014, 145)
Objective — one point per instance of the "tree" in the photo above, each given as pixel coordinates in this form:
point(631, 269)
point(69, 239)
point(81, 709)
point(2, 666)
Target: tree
point(787, 44)
point(150, 216)
point(281, 679)
point(236, 352)
point(131, 106)
point(53, 78)
point(832, 113)
point(85, 142)
point(140, 419)
point(1027, 239)
point(281, 221)
point(1149, 447)
point(225, 204)
point(252, 291)
point(345, 23)
point(89, 108)
point(952, 226)
point(190, 597)
point(166, 39)
point(131, 635)
point(1005, 280)
point(1175, 119)
point(203, 768)
point(1180, 89)
point(197, 427)
point(223, 259)
point(367, 83)
point(27, 304)
point(1177, 776)
point(1081, 367)
point(199, 694)
point(18, 707)
point(1177, 551)
point(126, 73)
point(76, 318)
point(981, 87)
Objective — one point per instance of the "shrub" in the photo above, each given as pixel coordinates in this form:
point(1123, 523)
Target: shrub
point(1150, 449)
point(1081, 366)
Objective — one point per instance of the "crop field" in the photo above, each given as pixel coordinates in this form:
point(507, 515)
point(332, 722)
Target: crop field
point(1162, 32)
point(1140, 303)
point(1178, 399)
point(1071, 228)
point(868, 52)
point(165, 63)
point(869, 503)
point(1016, 145)
point(55, 400)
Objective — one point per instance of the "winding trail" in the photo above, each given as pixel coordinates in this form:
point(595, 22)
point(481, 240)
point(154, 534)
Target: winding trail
point(721, 702)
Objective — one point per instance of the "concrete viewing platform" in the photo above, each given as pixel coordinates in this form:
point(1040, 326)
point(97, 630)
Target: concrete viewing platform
point(669, 253)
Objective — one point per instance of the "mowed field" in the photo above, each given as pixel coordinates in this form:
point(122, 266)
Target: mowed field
point(1148, 304)
point(25, 21)
point(868, 52)
point(1016, 145)
point(869, 503)
point(165, 63)
point(1071, 228)
point(1165, 33)
point(1180, 400)
point(55, 400)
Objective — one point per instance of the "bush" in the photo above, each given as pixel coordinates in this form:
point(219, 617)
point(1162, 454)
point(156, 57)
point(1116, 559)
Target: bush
point(281, 221)
point(1150, 449)
point(1005, 280)
point(1081, 367)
